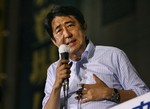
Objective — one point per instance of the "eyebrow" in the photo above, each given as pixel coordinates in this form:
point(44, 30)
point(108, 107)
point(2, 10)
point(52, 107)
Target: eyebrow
point(70, 22)
point(57, 27)
point(65, 23)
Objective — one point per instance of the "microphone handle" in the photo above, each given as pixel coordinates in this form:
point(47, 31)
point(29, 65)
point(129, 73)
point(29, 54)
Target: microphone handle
point(66, 81)
point(66, 88)
point(64, 55)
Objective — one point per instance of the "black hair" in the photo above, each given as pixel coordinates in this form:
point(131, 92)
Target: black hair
point(63, 11)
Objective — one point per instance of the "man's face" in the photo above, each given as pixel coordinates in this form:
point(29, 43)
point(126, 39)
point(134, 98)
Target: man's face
point(67, 30)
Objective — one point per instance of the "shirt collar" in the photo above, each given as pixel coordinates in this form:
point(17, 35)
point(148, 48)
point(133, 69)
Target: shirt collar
point(88, 51)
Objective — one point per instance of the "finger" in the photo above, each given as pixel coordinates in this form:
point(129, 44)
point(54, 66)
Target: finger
point(63, 67)
point(63, 61)
point(79, 96)
point(84, 100)
point(84, 91)
point(85, 96)
point(70, 63)
point(63, 73)
point(86, 86)
point(66, 66)
point(97, 79)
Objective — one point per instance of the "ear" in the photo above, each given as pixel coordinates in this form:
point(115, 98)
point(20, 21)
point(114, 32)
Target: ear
point(85, 28)
point(54, 41)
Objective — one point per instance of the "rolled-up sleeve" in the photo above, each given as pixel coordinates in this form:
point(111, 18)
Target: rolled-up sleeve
point(129, 77)
point(48, 85)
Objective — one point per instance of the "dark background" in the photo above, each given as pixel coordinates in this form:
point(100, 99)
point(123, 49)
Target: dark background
point(26, 50)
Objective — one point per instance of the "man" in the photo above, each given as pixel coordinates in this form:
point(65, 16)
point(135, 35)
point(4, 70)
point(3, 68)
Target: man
point(104, 73)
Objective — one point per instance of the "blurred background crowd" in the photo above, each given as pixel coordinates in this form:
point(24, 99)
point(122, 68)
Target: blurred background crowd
point(26, 50)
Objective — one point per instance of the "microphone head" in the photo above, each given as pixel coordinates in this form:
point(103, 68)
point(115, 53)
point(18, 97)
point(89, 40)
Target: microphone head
point(64, 51)
point(63, 48)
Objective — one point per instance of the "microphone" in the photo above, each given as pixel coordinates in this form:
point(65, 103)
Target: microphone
point(64, 54)
point(64, 51)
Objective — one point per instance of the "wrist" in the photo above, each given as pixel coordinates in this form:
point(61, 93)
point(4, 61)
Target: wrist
point(109, 93)
point(113, 95)
point(57, 86)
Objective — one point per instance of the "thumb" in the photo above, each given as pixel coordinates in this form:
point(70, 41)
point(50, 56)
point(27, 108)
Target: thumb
point(97, 79)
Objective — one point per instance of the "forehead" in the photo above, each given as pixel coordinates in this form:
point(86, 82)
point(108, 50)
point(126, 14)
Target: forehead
point(58, 20)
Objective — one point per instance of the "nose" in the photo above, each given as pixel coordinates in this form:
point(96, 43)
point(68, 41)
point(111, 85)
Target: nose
point(67, 33)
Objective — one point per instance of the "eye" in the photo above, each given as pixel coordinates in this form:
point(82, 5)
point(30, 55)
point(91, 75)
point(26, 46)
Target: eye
point(70, 25)
point(58, 31)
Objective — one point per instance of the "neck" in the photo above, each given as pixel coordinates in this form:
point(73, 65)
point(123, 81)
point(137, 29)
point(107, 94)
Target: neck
point(75, 57)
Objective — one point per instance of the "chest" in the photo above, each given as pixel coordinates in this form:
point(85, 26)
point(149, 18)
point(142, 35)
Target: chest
point(82, 73)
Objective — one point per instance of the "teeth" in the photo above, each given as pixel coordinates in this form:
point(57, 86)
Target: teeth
point(69, 41)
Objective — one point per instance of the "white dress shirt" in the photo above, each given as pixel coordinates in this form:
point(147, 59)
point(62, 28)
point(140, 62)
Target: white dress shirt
point(110, 64)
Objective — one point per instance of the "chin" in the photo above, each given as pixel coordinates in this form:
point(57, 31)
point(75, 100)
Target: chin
point(74, 50)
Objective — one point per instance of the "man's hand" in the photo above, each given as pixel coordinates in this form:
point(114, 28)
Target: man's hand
point(94, 92)
point(62, 72)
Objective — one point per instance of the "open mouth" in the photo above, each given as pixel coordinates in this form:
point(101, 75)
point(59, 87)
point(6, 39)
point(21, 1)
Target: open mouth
point(71, 43)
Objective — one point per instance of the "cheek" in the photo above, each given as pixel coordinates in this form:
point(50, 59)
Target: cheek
point(59, 41)
point(79, 33)
point(81, 36)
